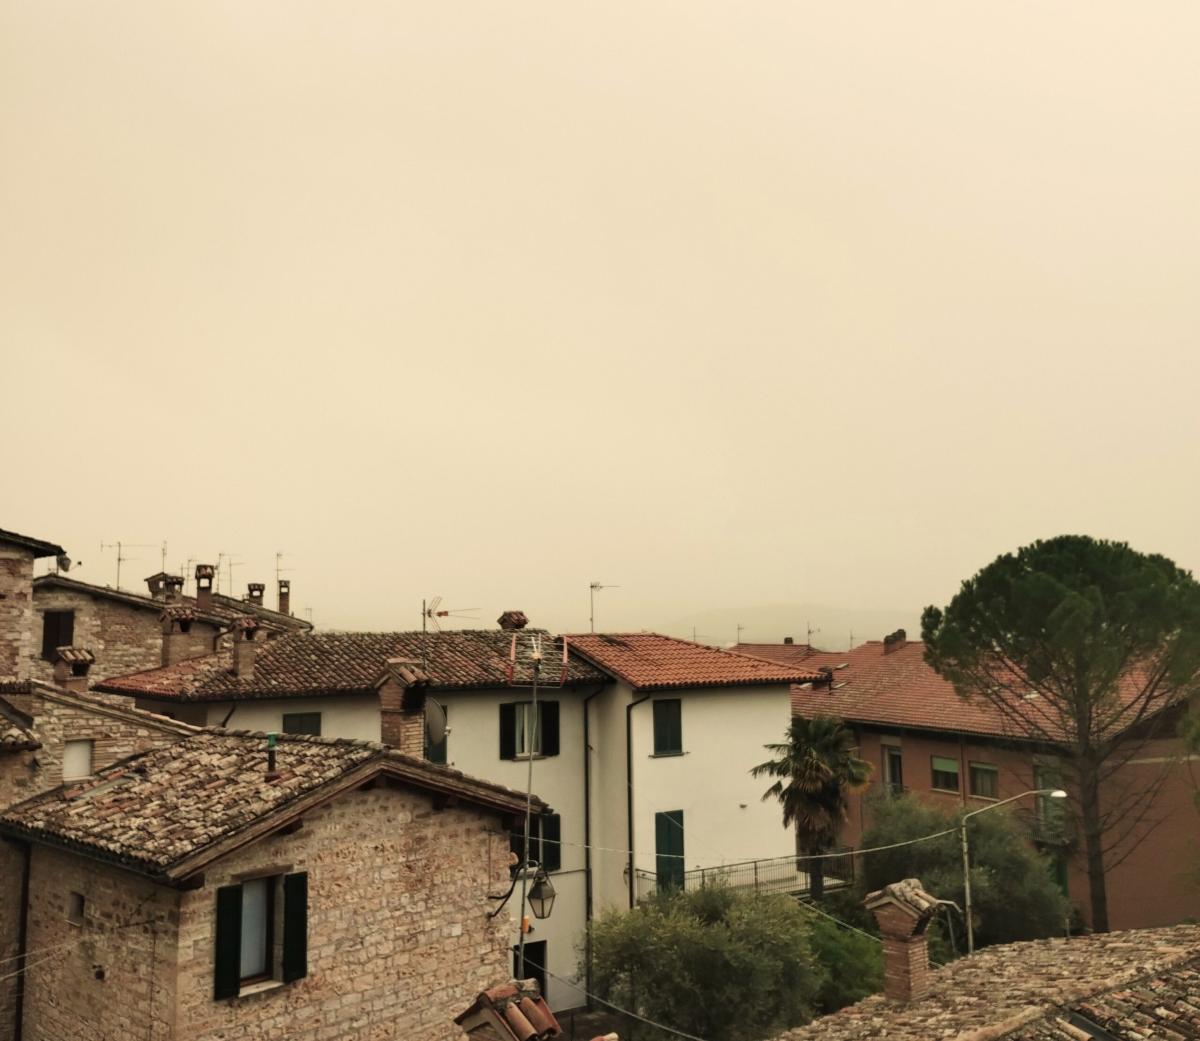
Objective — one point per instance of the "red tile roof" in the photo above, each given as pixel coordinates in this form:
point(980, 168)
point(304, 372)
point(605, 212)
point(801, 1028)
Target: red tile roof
point(780, 653)
point(893, 689)
point(897, 688)
point(650, 661)
point(301, 664)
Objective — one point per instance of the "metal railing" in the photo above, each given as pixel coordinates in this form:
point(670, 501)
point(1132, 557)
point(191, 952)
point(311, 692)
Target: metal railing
point(788, 875)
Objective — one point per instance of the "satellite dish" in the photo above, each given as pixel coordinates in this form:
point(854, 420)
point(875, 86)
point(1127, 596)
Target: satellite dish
point(435, 722)
point(64, 562)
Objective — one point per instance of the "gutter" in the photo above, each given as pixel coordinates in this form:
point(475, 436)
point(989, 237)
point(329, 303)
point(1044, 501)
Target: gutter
point(22, 940)
point(587, 839)
point(629, 793)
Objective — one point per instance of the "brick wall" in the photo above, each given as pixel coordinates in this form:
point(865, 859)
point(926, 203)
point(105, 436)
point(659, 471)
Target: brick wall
point(11, 867)
point(398, 938)
point(16, 612)
point(124, 638)
point(57, 719)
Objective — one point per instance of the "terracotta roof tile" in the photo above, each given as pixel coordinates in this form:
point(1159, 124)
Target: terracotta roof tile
point(897, 688)
point(16, 738)
point(154, 810)
point(1137, 985)
point(649, 661)
point(299, 664)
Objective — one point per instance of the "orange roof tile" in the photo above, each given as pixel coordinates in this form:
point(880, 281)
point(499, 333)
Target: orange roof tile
point(650, 661)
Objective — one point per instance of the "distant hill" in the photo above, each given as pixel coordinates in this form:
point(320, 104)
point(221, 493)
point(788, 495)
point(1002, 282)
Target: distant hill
point(770, 623)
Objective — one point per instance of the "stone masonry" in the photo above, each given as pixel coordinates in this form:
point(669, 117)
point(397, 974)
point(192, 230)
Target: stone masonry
point(16, 611)
point(123, 637)
point(398, 938)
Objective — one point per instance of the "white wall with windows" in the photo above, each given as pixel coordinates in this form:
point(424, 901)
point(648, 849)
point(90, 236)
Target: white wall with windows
point(355, 716)
point(490, 733)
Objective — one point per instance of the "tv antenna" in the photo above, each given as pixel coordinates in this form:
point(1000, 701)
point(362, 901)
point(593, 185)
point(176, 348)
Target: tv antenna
point(279, 568)
point(695, 635)
point(121, 547)
point(432, 612)
point(230, 564)
point(740, 629)
point(811, 632)
point(594, 588)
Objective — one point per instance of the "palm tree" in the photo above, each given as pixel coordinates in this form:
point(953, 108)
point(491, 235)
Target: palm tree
point(815, 771)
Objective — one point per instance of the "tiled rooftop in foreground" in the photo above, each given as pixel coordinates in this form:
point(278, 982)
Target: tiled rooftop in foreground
point(1142, 985)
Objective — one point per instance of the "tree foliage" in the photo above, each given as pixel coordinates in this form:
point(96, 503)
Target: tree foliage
point(815, 770)
point(1083, 645)
point(712, 962)
point(1013, 894)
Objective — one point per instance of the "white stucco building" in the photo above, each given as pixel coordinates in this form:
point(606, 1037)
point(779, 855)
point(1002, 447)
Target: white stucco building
point(642, 748)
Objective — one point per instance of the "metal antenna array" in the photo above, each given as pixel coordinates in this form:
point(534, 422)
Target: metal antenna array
point(594, 588)
point(120, 547)
point(811, 632)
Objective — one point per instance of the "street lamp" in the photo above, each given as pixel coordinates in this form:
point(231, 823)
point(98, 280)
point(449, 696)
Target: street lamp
point(1054, 793)
point(541, 896)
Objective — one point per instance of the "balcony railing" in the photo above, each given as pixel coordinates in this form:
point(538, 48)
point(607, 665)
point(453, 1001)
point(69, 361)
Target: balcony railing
point(788, 875)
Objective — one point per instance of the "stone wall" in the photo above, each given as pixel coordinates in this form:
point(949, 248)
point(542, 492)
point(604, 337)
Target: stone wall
point(11, 869)
point(16, 612)
point(398, 938)
point(58, 718)
point(123, 637)
point(113, 975)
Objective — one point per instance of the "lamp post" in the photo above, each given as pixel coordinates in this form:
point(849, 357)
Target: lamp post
point(1054, 793)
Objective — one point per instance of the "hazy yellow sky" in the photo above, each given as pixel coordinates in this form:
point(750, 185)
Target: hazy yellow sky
point(731, 304)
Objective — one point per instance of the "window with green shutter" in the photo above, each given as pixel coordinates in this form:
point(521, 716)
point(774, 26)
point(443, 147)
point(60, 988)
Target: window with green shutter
point(520, 738)
point(668, 849)
point(668, 727)
point(545, 842)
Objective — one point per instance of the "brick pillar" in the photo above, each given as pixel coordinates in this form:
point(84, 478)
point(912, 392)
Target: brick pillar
point(903, 911)
point(204, 586)
point(402, 715)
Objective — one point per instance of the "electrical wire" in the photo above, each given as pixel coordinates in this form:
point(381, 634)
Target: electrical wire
point(609, 1004)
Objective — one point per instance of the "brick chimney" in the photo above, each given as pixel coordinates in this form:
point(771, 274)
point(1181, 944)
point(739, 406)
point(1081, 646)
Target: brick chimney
point(71, 667)
point(514, 1011)
point(204, 587)
point(903, 911)
point(157, 584)
point(789, 640)
point(894, 641)
point(254, 593)
point(177, 642)
point(245, 647)
point(174, 590)
point(511, 621)
point(402, 686)
point(285, 596)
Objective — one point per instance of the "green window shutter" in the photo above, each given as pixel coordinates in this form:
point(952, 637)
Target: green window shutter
point(549, 726)
point(295, 926)
point(552, 842)
point(508, 731)
point(227, 955)
point(668, 843)
point(668, 730)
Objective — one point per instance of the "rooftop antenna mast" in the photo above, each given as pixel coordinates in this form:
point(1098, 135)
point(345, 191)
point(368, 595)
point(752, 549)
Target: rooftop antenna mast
point(594, 588)
point(120, 547)
point(230, 564)
point(740, 629)
point(186, 573)
point(811, 632)
point(164, 556)
point(432, 613)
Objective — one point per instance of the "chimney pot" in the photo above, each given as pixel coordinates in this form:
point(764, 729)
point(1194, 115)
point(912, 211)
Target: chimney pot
point(903, 911)
point(204, 586)
point(255, 592)
point(788, 640)
point(894, 641)
point(285, 596)
point(71, 667)
point(511, 621)
point(177, 642)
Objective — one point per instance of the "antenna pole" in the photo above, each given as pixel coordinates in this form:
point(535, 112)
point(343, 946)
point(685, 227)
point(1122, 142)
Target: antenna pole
point(739, 633)
point(533, 739)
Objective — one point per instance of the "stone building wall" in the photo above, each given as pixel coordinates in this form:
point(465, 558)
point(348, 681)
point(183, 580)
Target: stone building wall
point(398, 938)
point(16, 611)
point(124, 638)
point(11, 867)
point(59, 718)
point(111, 975)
